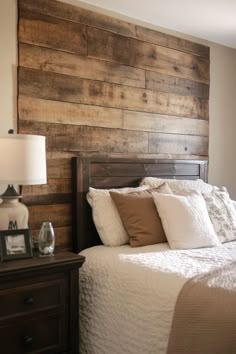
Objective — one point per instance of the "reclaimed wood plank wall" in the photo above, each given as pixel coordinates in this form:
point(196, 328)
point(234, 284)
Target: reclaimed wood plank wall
point(95, 84)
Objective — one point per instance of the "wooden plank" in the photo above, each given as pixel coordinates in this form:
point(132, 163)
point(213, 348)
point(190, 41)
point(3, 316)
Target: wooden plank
point(48, 111)
point(78, 14)
point(120, 169)
point(112, 47)
point(147, 156)
point(47, 199)
point(52, 32)
point(52, 86)
point(178, 144)
point(76, 138)
point(53, 186)
point(58, 168)
point(165, 83)
point(164, 124)
point(120, 182)
point(63, 236)
point(166, 40)
point(99, 20)
point(75, 65)
point(59, 215)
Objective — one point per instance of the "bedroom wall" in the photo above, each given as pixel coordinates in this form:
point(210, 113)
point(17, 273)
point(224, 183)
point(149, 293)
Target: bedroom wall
point(92, 83)
point(222, 116)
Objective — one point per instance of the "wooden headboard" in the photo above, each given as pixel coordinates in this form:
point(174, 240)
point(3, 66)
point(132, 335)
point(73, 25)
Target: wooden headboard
point(116, 173)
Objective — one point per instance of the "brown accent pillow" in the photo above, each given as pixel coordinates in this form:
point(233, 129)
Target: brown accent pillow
point(139, 216)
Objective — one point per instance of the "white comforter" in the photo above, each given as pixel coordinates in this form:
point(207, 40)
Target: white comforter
point(127, 295)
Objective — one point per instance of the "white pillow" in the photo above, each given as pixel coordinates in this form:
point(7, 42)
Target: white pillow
point(222, 214)
point(106, 217)
point(178, 185)
point(234, 203)
point(185, 221)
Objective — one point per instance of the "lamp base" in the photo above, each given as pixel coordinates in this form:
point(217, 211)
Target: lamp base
point(13, 214)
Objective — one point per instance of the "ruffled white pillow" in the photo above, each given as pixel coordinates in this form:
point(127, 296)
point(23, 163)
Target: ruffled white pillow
point(185, 221)
point(178, 185)
point(106, 217)
point(222, 214)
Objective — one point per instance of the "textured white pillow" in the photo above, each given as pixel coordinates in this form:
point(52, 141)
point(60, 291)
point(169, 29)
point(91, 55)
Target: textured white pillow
point(106, 217)
point(222, 214)
point(234, 203)
point(185, 221)
point(178, 185)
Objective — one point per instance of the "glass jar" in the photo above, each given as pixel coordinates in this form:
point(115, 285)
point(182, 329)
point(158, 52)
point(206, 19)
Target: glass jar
point(46, 240)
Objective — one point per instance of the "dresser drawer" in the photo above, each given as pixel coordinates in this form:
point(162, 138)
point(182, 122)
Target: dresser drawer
point(39, 296)
point(43, 334)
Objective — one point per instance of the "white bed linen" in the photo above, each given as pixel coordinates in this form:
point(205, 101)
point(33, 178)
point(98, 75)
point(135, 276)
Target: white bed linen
point(127, 295)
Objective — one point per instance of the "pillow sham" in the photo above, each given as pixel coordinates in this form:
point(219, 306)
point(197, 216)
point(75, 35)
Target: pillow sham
point(222, 214)
point(139, 216)
point(185, 221)
point(106, 217)
point(178, 185)
point(234, 203)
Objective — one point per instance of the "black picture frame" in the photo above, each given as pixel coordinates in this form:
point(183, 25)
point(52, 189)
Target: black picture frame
point(15, 244)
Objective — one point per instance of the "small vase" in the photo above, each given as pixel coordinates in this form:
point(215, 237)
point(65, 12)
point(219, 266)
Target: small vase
point(46, 240)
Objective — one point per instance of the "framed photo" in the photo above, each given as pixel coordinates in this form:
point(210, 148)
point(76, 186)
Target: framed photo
point(15, 244)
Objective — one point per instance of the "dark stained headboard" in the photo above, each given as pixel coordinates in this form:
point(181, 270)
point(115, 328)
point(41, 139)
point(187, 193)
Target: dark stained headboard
point(116, 173)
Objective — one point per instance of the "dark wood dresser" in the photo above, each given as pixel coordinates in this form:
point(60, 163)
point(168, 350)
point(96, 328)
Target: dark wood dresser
point(39, 305)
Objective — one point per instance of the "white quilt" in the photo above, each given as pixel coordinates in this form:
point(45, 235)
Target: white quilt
point(128, 295)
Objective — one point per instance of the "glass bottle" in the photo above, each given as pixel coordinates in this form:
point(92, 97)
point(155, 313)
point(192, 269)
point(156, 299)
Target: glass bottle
point(46, 240)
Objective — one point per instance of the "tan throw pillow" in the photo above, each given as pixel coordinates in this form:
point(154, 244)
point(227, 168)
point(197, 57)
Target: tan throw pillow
point(139, 216)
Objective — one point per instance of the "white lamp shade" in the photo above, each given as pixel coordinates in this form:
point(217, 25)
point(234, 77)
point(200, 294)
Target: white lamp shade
point(22, 159)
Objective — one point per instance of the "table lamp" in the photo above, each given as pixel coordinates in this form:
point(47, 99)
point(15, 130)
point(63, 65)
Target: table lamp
point(22, 162)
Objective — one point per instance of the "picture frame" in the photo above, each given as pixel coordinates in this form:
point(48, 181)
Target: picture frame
point(15, 244)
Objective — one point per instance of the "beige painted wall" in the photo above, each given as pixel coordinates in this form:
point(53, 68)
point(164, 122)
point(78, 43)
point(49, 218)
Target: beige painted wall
point(222, 167)
point(8, 67)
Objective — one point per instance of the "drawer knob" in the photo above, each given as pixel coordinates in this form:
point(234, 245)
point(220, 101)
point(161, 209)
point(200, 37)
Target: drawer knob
point(28, 340)
point(28, 301)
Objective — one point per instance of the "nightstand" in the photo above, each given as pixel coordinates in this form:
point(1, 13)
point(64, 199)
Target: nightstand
point(39, 300)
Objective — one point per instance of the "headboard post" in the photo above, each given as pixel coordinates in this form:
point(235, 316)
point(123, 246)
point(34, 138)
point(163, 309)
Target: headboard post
point(204, 171)
point(81, 211)
point(78, 201)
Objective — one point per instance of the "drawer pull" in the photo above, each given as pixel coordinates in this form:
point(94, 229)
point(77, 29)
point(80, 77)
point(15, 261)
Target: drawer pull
point(28, 301)
point(28, 340)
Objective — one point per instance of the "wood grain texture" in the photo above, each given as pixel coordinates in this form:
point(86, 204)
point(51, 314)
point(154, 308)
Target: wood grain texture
point(52, 86)
point(49, 111)
point(109, 46)
point(83, 138)
point(58, 168)
point(116, 169)
point(93, 84)
point(47, 199)
point(102, 21)
point(165, 83)
point(179, 144)
point(59, 215)
point(70, 64)
point(53, 186)
point(47, 31)
point(164, 124)
point(166, 40)
point(63, 237)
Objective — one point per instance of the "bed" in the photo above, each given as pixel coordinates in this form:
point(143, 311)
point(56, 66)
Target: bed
point(128, 296)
